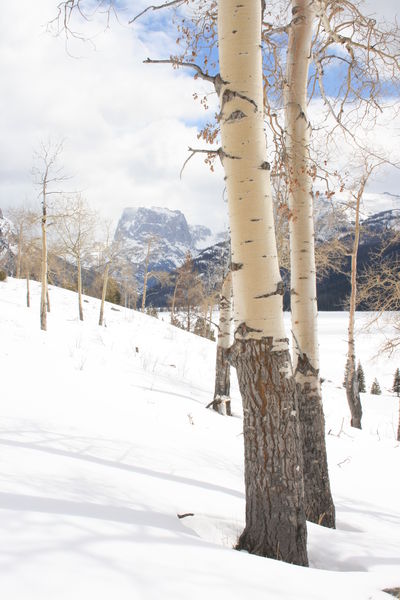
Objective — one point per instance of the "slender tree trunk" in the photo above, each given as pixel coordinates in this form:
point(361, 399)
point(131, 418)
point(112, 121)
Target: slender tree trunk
point(47, 298)
point(43, 308)
point(28, 295)
point(80, 288)
point(104, 293)
point(398, 426)
point(19, 254)
point(275, 519)
point(318, 501)
point(210, 319)
point(174, 300)
point(187, 315)
point(205, 323)
point(222, 400)
point(146, 275)
point(352, 391)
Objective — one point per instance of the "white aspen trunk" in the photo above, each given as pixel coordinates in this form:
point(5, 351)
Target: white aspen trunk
point(275, 519)
point(146, 275)
point(222, 400)
point(319, 505)
point(104, 293)
point(43, 307)
point(352, 391)
point(19, 255)
point(28, 294)
point(80, 288)
point(174, 300)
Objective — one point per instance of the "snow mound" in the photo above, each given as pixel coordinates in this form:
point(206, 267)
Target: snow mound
point(105, 439)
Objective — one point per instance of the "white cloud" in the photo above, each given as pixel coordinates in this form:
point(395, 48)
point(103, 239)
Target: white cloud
point(386, 9)
point(127, 125)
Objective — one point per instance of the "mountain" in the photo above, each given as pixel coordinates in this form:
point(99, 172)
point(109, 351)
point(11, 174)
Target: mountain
point(376, 231)
point(382, 223)
point(164, 233)
point(210, 264)
point(330, 221)
point(171, 238)
point(334, 289)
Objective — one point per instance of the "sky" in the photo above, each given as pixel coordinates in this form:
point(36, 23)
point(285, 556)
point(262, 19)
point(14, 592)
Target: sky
point(126, 126)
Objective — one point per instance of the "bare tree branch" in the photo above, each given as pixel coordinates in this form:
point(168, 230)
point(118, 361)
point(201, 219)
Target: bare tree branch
point(158, 7)
point(178, 63)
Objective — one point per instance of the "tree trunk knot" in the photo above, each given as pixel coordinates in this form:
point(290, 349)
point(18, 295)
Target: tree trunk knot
point(393, 592)
point(236, 266)
point(243, 330)
point(229, 95)
point(304, 366)
point(280, 290)
point(237, 115)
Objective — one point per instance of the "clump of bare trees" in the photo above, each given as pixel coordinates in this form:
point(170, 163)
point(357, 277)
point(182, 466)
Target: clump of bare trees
point(249, 86)
point(75, 230)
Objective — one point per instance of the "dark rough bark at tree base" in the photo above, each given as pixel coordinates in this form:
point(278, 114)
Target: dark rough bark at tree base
point(222, 390)
point(275, 518)
point(393, 592)
point(318, 502)
point(353, 398)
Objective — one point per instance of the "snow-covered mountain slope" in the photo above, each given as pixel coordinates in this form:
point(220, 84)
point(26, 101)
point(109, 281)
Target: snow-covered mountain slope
point(332, 220)
point(383, 222)
point(105, 439)
point(171, 238)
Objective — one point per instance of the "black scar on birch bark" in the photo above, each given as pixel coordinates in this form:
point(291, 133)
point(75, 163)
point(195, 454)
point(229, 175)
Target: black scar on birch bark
point(275, 518)
point(318, 502)
point(228, 95)
point(280, 290)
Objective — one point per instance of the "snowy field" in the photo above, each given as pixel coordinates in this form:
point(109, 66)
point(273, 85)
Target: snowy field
point(105, 438)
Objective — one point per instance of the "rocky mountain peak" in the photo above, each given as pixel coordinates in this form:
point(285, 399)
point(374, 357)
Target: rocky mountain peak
point(170, 235)
point(142, 223)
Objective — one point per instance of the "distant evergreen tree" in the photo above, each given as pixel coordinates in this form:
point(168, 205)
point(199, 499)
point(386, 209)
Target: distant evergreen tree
point(396, 383)
point(361, 378)
point(376, 388)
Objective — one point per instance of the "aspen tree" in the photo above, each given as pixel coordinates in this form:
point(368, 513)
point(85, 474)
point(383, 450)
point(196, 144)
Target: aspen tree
point(146, 272)
point(275, 519)
point(222, 402)
point(352, 387)
point(110, 251)
point(318, 501)
point(46, 176)
point(75, 226)
point(25, 220)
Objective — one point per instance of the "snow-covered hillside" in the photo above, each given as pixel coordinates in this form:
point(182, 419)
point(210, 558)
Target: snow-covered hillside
point(105, 439)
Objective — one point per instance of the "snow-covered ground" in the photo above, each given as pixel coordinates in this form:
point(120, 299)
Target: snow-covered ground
point(104, 439)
